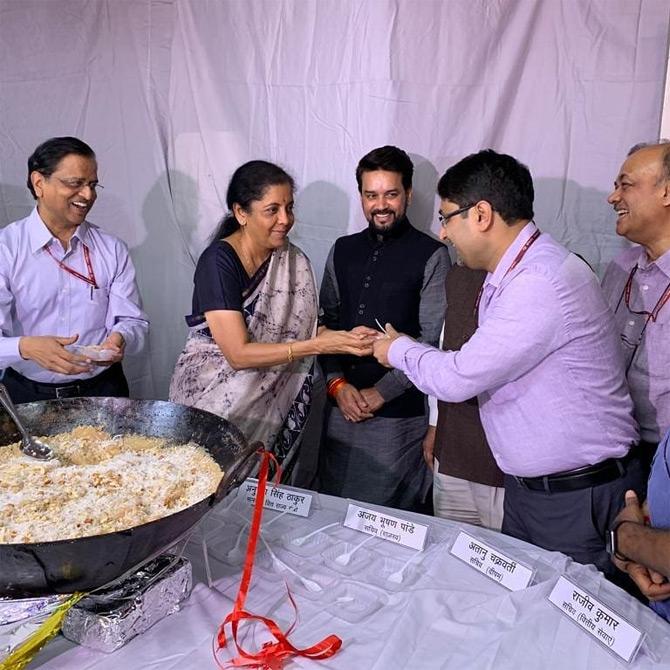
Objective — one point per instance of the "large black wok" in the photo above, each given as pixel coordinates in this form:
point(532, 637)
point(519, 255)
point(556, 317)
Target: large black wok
point(83, 564)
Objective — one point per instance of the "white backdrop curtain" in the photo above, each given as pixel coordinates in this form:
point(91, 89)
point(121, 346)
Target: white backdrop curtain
point(174, 94)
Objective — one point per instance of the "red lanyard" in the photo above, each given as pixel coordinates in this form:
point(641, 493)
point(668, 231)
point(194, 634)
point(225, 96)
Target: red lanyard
point(650, 316)
point(515, 262)
point(87, 257)
point(653, 315)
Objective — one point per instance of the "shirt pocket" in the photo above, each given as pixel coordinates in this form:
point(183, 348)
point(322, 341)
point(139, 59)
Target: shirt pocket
point(95, 308)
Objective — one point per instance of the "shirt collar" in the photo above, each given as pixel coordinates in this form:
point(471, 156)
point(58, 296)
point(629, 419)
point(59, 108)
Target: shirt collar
point(662, 262)
point(40, 235)
point(495, 278)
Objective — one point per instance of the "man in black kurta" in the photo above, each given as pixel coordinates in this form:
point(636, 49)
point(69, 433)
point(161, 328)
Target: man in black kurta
point(391, 273)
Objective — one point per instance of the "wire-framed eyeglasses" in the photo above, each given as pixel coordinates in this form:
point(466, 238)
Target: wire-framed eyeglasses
point(78, 184)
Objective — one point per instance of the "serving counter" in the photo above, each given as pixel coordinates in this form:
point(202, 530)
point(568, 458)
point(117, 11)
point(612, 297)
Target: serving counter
point(393, 607)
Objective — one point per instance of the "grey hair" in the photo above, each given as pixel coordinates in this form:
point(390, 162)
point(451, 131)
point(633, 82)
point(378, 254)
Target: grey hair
point(665, 160)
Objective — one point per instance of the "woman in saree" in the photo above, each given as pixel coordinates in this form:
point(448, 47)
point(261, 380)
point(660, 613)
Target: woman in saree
point(253, 335)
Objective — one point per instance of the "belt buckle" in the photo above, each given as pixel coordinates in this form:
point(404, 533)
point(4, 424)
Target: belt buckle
point(66, 391)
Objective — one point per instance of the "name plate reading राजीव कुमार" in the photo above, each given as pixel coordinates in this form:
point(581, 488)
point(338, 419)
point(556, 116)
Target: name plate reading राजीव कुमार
point(278, 498)
point(599, 621)
point(386, 527)
point(491, 562)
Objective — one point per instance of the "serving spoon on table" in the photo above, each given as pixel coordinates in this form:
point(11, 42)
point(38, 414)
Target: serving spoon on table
point(30, 446)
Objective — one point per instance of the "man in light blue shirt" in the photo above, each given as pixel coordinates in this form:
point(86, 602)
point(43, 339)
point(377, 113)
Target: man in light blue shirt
point(65, 281)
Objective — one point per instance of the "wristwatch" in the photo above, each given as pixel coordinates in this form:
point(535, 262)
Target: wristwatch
point(611, 542)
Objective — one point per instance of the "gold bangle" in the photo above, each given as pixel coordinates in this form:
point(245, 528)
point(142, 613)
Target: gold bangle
point(290, 353)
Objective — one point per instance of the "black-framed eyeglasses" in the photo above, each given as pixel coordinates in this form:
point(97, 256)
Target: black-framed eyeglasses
point(443, 218)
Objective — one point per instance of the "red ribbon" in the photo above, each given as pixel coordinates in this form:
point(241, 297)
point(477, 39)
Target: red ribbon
point(272, 655)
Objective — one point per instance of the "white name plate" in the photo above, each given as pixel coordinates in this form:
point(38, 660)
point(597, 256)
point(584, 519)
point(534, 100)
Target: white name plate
point(278, 498)
point(610, 629)
point(386, 527)
point(490, 562)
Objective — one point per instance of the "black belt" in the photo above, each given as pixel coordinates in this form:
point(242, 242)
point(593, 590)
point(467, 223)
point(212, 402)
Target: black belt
point(580, 478)
point(73, 389)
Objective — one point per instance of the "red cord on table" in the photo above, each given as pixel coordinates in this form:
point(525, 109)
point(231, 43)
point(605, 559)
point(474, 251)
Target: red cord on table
point(272, 655)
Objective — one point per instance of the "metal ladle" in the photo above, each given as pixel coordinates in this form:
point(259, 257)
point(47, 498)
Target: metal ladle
point(30, 446)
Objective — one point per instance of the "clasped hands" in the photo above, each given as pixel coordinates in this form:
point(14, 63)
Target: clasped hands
point(358, 405)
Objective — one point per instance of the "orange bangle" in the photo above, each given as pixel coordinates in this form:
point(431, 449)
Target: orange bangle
point(334, 386)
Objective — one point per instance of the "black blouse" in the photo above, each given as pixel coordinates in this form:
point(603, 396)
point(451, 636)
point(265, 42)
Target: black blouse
point(220, 282)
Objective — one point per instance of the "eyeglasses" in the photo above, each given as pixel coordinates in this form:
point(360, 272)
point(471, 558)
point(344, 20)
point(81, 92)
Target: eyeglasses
point(443, 218)
point(77, 184)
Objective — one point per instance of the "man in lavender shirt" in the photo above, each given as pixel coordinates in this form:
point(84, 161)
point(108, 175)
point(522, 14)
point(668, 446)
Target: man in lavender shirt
point(637, 286)
point(544, 362)
point(63, 280)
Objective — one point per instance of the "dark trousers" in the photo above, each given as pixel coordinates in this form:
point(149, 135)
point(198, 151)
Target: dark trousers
point(572, 522)
point(109, 383)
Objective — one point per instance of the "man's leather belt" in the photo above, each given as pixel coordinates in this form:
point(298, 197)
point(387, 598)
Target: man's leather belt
point(71, 389)
point(580, 478)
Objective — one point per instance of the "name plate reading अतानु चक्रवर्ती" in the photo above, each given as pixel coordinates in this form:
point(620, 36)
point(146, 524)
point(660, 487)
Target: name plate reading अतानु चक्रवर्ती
point(491, 562)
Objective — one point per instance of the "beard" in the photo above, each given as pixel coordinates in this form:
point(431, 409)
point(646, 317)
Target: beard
point(389, 228)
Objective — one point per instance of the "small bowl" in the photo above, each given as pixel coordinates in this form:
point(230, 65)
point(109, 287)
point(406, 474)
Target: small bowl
point(326, 579)
point(312, 545)
point(345, 534)
point(221, 548)
point(380, 571)
point(358, 561)
point(354, 602)
point(93, 351)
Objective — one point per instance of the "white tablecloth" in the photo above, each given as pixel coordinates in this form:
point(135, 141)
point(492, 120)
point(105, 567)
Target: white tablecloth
point(444, 615)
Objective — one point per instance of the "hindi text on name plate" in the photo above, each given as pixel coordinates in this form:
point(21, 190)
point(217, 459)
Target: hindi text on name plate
point(386, 527)
point(279, 498)
point(491, 562)
point(598, 620)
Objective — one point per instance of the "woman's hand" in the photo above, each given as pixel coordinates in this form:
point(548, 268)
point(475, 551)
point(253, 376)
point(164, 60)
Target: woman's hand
point(357, 342)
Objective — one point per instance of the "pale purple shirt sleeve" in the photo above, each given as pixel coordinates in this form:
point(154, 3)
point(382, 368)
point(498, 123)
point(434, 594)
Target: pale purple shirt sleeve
point(432, 400)
point(518, 332)
point(124, 310)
